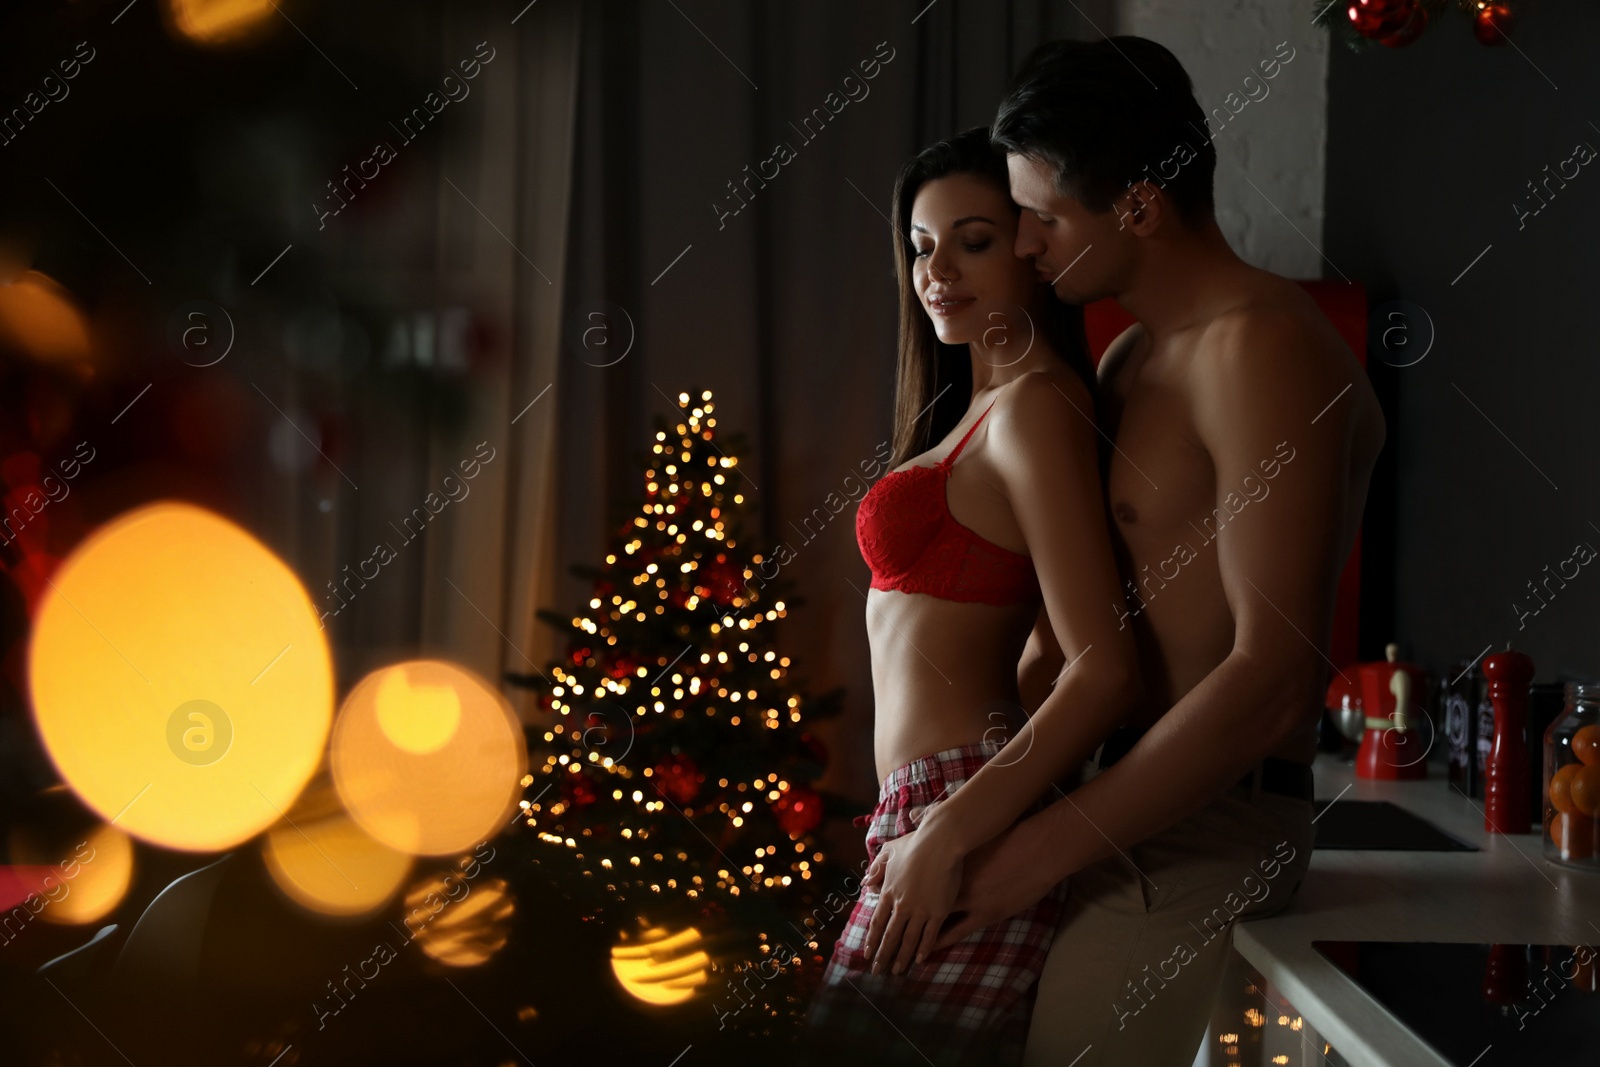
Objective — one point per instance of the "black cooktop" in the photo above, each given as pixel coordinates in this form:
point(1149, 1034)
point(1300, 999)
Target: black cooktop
point(1484, 1005)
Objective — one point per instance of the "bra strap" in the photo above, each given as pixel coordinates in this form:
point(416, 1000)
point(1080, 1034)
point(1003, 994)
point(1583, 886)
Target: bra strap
point(951, 458)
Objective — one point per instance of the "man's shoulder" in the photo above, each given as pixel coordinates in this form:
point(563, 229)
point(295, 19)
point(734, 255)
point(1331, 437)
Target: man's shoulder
point(1118, 352)
point(1276, 331)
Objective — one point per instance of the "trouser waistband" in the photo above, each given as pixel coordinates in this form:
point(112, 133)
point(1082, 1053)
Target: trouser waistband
point(1281, 776)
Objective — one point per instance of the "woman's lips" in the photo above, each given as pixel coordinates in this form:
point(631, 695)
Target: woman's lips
point(949, 305)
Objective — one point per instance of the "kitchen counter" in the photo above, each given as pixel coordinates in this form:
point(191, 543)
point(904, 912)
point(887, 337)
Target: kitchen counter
point(1504, 893)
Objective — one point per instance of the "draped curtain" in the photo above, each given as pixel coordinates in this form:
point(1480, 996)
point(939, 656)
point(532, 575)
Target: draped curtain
point(776, 294)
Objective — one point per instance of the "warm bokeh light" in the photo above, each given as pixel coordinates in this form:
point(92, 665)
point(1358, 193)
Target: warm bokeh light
point(179, 678)
point(217, 21)
point(658, 967)
point(326, 863)
point(40, 318)
point(472, 923)
point(427, 757)
point(81, 882)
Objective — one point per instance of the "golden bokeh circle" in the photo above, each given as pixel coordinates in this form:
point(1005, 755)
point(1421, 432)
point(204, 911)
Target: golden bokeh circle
point(427, 757)
point(171, 607)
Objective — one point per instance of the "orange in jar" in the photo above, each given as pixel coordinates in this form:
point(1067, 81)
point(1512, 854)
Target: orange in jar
point(1573, 835)
point(1561, 787)
point(1586, 744)
point(1586, 788)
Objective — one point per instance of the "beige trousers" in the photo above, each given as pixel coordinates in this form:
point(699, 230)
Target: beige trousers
point(1142, 942)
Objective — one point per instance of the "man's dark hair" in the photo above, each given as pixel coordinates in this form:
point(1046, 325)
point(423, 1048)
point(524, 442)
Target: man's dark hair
point(1105, 114)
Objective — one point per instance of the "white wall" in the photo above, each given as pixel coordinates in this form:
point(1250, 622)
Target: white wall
point(1277, 141)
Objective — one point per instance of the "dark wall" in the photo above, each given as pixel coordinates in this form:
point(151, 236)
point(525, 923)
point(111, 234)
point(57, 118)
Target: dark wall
point(1492, 435)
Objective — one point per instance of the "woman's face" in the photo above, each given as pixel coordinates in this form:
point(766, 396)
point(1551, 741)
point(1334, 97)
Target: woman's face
point(967, 276)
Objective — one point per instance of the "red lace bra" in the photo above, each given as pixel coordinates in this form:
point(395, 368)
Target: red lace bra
point(912, 543)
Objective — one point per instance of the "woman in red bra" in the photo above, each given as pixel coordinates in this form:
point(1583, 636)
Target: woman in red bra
point(967, 559)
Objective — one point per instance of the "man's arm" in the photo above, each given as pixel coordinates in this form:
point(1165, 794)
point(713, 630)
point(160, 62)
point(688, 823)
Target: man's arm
point(1279, 555)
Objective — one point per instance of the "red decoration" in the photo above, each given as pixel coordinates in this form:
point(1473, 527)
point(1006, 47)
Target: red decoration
point(1409, 31)
point(679, 779)
point(579, 655)
point(576, 791)
point(1493, 24)
point(798, 811)
point(724, 581)
point(1377, 19)
point(623, 665)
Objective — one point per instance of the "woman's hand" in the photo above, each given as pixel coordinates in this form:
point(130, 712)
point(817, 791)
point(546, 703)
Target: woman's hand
point(917, 876)
point(1001, 879)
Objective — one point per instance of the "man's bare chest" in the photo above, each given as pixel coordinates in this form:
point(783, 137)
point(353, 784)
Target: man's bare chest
point(1160, 482)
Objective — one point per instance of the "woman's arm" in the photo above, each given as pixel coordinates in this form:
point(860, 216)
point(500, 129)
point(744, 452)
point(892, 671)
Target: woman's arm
point(1040, 663)
point(1044, 444)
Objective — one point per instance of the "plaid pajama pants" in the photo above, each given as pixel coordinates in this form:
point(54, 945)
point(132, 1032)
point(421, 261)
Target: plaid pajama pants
point(969, 1003)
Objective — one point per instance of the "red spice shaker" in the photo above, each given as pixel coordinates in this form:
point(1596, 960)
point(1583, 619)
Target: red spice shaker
point(1505, 786)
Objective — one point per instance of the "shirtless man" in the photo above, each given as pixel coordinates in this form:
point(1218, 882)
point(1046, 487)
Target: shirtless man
point(1245, 433)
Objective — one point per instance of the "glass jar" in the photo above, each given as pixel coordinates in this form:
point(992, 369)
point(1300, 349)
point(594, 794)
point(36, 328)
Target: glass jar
point(1572, 781)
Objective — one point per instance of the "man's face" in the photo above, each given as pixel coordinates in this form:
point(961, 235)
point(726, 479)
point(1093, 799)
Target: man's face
point(1077, 251)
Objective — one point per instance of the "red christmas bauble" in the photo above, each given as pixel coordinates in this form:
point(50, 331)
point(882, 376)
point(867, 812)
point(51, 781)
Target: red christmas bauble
point(798, 811)
point(576, 791)
point(679, 779)
point(1493, 24)
point(1409, 32)
point(724, 581)
point(1376, 19)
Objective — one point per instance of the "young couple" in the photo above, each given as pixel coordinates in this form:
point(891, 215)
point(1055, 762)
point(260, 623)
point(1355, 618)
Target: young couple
point(1076, 552)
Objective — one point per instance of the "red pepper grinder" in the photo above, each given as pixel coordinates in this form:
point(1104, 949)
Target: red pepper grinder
point(1505, 785)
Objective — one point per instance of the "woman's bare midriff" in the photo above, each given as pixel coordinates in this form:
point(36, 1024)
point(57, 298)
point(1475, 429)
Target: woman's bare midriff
point(944, 673)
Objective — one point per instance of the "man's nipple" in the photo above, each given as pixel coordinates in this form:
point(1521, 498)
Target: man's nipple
point(1125, 512)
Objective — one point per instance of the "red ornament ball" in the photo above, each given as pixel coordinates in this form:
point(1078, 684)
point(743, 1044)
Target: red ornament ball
point(1493, 24)
point(798, 811)
point(1408, 32)
point(576, 791)
point(1377, 19)
point(679, 779)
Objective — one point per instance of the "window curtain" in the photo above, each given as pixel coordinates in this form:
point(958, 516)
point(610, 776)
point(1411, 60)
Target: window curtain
point(777, 295)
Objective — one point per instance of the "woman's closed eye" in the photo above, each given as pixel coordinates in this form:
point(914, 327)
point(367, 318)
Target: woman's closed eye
point(979, 247)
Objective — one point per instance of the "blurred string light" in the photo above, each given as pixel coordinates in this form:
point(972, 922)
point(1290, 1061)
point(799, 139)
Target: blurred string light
point(467, 930)
point(82, 881)
point(427, 757)
point(217, 22)
point(660, 967)
point(179, 678)
point(323, 861)
point(41, 320)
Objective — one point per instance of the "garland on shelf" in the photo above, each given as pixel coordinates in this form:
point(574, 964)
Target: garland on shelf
point(1396, 23)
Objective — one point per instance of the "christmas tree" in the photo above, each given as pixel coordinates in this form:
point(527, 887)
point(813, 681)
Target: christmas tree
point(675, 775)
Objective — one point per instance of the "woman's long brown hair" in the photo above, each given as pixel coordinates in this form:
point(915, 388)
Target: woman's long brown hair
point(933, 380)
